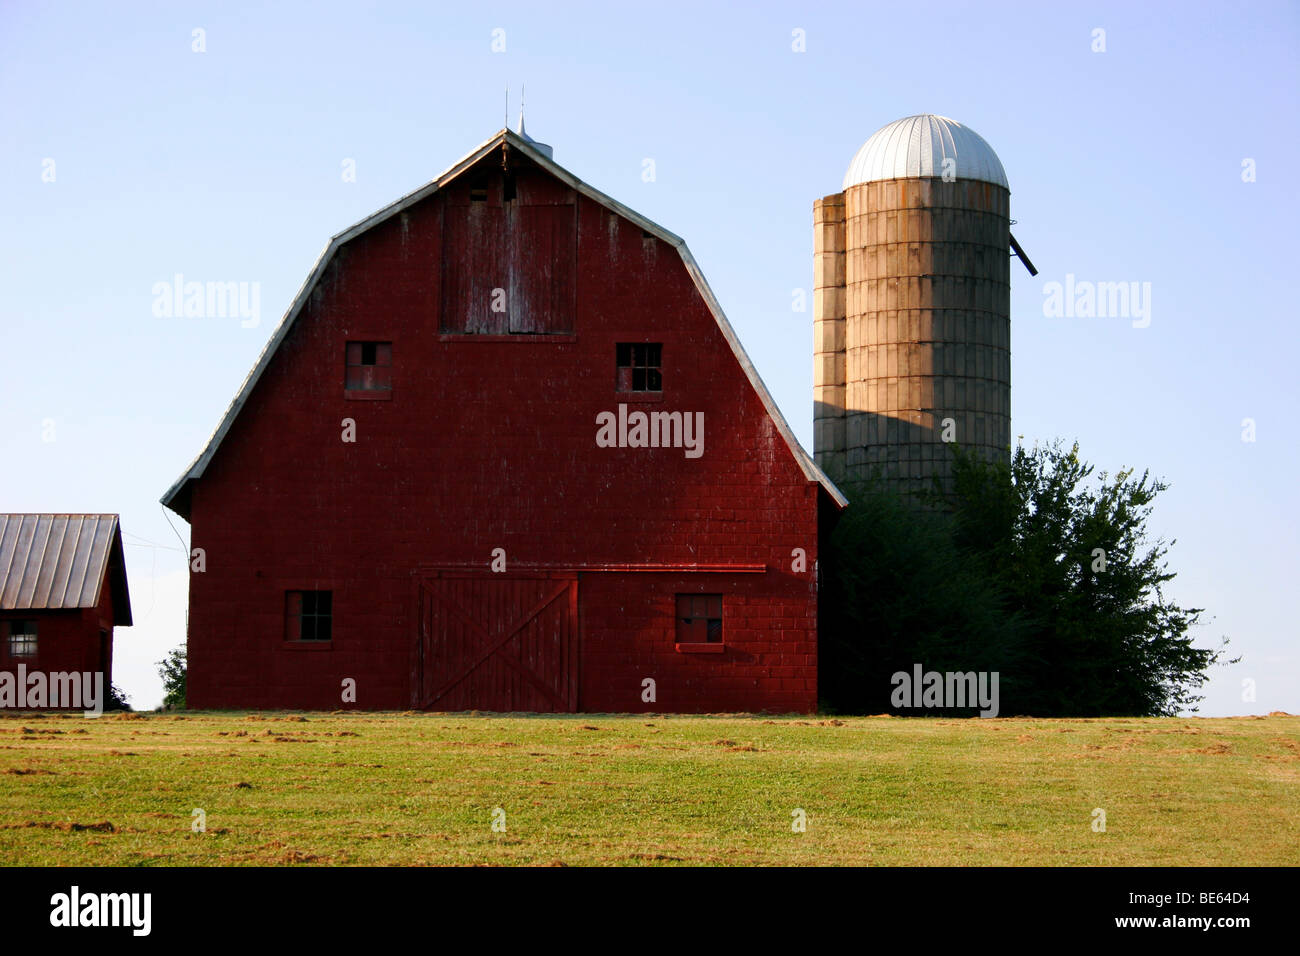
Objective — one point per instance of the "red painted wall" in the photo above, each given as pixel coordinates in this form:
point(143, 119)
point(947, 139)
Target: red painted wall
point(66, 640)
point(491, 444)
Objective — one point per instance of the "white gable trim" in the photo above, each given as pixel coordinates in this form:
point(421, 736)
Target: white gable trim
point(200, 464)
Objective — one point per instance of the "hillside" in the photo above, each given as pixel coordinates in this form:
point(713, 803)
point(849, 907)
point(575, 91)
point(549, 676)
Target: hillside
point(628, 790)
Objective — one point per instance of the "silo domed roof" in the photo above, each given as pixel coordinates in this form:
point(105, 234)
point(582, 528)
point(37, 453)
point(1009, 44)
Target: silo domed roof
point(915, 148)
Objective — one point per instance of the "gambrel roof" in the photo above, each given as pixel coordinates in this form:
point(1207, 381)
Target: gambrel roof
point(177, 496)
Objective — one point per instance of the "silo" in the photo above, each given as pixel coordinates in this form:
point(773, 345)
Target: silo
point(925, 234)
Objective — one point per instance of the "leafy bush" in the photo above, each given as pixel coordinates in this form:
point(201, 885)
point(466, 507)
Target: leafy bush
point(172, 670)
point(1026, 568)
point(117, 699)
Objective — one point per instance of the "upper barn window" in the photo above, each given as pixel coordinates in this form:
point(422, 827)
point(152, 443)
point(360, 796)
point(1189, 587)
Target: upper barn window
point(640, 366)
point(22, 639)
point(369, 367)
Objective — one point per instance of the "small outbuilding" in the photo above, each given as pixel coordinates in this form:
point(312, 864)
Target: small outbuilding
point(62, 591)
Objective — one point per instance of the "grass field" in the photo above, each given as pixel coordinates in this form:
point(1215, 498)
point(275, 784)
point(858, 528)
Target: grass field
point(391, 788)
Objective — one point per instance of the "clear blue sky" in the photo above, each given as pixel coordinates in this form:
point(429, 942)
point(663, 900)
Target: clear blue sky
point(226, 165)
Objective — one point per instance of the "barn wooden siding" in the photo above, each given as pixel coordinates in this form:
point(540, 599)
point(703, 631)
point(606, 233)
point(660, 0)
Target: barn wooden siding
point(487, 442)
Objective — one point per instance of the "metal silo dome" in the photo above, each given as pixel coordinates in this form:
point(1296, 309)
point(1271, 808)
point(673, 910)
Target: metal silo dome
point(915, 148)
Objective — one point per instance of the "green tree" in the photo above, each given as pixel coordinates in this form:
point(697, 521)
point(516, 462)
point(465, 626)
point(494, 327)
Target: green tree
point(1034, 569)
point(1071, 553)
point(898, 591)
point(118, 699)
point(172, 670)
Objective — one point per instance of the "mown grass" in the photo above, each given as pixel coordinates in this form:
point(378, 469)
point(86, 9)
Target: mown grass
point(628, 790)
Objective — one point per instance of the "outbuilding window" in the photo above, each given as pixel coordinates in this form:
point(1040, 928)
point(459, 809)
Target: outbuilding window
point(369, 367)
point(639, 366)
point(22, 639)
point(308, 615)
point(699, 620)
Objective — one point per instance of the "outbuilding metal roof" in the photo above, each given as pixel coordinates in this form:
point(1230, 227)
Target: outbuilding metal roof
point(915, 148)
point(50, 562)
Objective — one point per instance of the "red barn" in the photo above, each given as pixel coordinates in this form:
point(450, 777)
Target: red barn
point(504, 452)
point(62, 591)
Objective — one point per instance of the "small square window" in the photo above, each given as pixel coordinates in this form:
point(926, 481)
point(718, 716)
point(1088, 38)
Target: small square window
point(699, 619)
point(369, 366)
point(640, 366)
point(307, 615)
point(22, 639)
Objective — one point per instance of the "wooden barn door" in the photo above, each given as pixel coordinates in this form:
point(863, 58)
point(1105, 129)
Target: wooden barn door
point(491, 642)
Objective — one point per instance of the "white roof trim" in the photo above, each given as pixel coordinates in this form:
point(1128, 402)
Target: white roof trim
point(200, 464)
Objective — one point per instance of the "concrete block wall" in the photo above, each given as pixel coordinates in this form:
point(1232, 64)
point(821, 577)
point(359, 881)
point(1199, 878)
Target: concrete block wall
point(926, 335)
point(829, 360)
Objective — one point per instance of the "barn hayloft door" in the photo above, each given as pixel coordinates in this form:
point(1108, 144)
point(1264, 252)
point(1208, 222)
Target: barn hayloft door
point(488, 642)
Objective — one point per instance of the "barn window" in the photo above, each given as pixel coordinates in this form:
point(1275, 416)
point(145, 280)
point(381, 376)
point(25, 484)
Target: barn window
point(699, 619)
point(369, 367)
point(22, 639)
point(307, 615)
point(639, 366)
